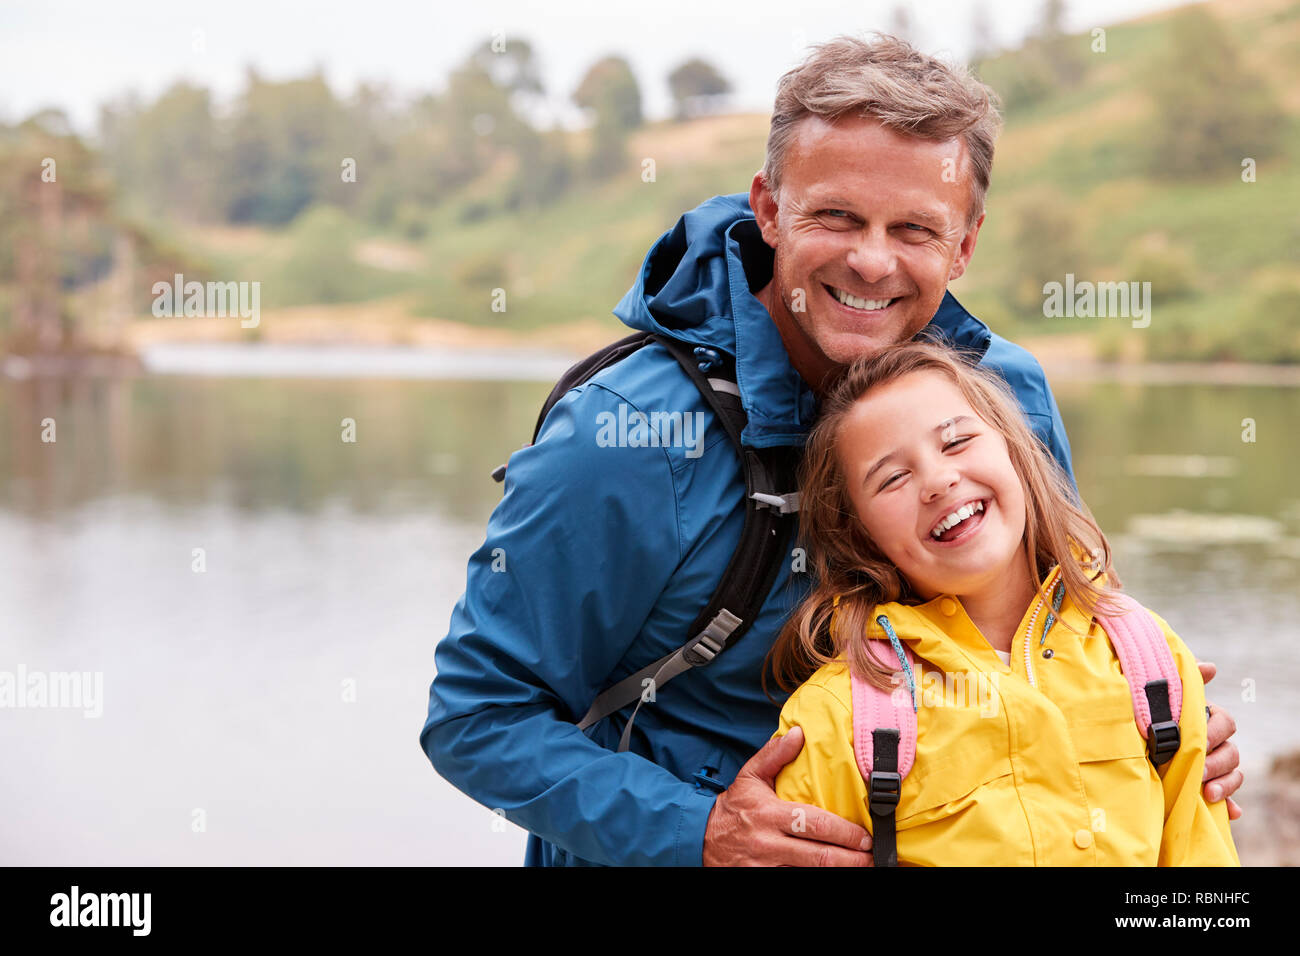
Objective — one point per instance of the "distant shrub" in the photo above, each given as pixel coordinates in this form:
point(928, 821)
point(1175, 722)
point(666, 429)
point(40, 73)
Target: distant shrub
point(1170, 269)
point(320, 267)
point(1268, 330)
point(483, 271)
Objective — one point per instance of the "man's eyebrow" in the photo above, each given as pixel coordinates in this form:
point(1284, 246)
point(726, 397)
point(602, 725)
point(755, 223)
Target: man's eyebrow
point(923, 216)
point(820, 201)
point(945, 424)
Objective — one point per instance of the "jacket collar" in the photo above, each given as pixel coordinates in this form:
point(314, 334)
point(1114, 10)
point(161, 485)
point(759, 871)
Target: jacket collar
point(697, 283)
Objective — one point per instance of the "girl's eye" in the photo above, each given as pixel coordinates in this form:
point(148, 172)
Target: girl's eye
point(890, 480)
point(957, 441)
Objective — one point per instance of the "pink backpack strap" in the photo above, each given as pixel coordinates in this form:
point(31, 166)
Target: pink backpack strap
point(884, 744)
point(1152, 676)
point(874, 708)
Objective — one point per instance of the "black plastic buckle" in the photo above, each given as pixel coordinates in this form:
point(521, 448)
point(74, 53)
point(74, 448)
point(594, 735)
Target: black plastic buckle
point(702, 651)
point(882, 792)
point(1162, 741)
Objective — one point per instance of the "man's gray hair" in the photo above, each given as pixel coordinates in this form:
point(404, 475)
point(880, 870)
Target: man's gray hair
point(905, 90)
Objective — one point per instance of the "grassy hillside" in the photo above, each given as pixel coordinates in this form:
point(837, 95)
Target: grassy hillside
point(1223, 255)
point(1076, 188)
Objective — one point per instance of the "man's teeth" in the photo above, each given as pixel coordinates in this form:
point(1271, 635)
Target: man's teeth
point(854, 302)
point(961, 514)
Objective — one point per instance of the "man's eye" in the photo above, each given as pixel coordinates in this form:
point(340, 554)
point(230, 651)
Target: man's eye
point(916, 227)
point(835, 213)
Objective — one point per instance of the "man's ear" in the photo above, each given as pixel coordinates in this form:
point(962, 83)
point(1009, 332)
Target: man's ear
point(764, 207)
point(965, 250)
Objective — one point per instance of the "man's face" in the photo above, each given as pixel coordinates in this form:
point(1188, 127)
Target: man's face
point(870, 228)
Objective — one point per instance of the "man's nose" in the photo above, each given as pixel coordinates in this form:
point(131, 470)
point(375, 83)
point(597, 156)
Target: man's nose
point(872, 257)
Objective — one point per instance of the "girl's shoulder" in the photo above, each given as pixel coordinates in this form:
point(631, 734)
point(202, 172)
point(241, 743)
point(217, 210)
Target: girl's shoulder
point(827, 686)
point(823, 706)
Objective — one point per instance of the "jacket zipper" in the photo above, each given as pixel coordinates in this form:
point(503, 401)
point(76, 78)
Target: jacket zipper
point(1029, 631)
point(1029, 667)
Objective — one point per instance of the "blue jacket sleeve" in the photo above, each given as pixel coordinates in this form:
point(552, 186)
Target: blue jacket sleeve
point(1053, 435)
point(1026, 377)
point(575, 557)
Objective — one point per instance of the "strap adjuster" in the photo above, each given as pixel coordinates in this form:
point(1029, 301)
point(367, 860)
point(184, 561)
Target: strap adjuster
point(1163, 739)
point(712, 639)
point(882, 792)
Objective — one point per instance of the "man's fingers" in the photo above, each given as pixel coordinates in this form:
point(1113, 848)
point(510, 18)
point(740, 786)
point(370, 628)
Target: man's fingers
point(1234, 809)
point(1220, 763)
point(1222, 787)
point(824, 854)
point(813, 823)
point(774, 755)
point(1207, 670)
point(1220, 727)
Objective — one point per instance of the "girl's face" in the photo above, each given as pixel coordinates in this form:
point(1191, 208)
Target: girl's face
point(917, 458)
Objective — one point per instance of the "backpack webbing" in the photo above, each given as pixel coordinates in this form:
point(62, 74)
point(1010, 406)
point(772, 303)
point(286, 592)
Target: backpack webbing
point(770, 502)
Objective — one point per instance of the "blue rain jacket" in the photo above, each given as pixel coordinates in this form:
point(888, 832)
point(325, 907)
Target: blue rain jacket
point(603, 551)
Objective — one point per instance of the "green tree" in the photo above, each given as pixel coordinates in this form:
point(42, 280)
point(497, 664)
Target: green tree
point(609, 90)
point(1061, 52)
point(695, 85)
point(512, 65)
point(1211, 108)
point(286, 142)
point(166, 156)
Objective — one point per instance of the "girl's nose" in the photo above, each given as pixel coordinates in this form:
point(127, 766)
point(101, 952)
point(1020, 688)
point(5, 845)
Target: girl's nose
point(939, 482)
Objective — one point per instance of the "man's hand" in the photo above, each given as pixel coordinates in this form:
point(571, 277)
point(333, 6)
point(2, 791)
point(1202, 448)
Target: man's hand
point(750, 826)
point(1222, 774)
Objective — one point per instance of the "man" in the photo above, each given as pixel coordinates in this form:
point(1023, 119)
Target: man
point(601, 553)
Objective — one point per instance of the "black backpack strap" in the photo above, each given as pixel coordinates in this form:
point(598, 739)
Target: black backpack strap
point(770, 502)
point(578, 373)
point(1163, 736)
point(883, 788)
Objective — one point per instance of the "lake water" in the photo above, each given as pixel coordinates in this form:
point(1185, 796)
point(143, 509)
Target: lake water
point(267, 709)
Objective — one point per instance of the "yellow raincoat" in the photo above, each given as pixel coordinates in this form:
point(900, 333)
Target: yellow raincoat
point(1013, 774)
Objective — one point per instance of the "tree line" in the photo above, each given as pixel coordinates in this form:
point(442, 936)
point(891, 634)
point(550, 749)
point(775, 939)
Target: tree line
point(283, 146)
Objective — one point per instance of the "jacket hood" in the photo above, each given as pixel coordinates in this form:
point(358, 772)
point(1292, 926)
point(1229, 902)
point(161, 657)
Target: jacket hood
point(697, 283)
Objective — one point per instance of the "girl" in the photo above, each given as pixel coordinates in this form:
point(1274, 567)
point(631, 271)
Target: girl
point(955, 570)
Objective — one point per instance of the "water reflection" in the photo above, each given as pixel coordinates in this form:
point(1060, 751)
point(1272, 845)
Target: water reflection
point(261, 443)
point(327, 561)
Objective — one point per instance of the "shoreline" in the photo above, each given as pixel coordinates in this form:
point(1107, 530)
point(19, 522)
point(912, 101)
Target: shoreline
point(1173, 373)
point(372, 329)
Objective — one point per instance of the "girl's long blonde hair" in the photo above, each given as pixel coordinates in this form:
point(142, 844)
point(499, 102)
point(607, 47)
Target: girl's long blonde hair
point(844, 561)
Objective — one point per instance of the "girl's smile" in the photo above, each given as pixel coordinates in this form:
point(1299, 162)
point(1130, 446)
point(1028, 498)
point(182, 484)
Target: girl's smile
point(965, 523)
point(934, 487)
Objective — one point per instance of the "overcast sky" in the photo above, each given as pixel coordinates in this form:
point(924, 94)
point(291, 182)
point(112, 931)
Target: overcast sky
point(75, 54)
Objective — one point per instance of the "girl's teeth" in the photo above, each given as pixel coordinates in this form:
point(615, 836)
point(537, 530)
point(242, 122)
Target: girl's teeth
point(961, 514)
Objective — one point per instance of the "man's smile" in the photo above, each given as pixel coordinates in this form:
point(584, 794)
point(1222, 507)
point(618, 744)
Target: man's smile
point(858, 303)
